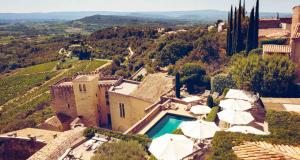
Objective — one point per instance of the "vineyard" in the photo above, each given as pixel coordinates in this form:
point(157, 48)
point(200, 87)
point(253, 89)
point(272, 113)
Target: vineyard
point(26, 102)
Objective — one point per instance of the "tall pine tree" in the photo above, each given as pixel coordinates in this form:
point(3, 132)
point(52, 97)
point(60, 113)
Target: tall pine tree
point(177, 85)
point(250, 33)
point(244, 9)
point(256, 24)
point(234, 33)
point(229, 33)
point(239, 42)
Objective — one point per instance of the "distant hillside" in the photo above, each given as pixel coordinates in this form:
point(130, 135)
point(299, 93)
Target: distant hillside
point(93, 23)
point(197, 15)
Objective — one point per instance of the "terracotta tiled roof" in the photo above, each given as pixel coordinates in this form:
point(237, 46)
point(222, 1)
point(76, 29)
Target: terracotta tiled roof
point(271, 48)
point(266, 151)
point(153, 87)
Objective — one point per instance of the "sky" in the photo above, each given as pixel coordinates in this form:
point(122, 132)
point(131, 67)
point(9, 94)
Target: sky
point(26, 6)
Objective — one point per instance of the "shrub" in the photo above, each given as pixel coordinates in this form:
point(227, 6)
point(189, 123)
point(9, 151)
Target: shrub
point(270, 75)
point(225, 91)
point(279, 41)
point(142, 139)
point(284, 128)
point(120, 150)
point(222, 81)
point(258, 51)
point(210, 101)
point(211, 117)
point(178, 131)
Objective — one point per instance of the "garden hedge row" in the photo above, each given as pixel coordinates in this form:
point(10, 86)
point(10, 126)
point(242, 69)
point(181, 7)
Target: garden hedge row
point(211, 117)
point(142, 139)
point(284, 128)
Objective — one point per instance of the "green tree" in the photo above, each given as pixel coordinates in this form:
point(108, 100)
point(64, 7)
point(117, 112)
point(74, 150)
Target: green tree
point(234, 33)
point(177, 85)
point(256, 24)
point(251, 33)
point(210, 101)
point(192, 75)
point(239, 38)
point(229, 33)
point(121, 150)
point(271, 75)
point(173, 52)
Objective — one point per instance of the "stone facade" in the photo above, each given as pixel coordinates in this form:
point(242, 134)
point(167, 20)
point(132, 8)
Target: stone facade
point(96, 99)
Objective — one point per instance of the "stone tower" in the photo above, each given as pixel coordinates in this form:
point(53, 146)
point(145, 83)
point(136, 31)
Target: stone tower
point(295, 41)
point(86, 93)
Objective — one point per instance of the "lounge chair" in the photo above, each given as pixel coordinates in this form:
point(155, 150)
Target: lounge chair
point(206, 93)
point(215, 95)
point(188, 107)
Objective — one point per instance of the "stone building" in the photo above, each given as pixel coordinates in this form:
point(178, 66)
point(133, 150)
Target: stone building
point(110, 102)
point(293, 48)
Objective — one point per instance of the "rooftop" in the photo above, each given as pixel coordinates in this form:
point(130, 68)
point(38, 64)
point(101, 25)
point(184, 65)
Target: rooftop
point(153, 87)
point(125, 88)
point(274, 33)
point(65, 84)
point(45, 135)
point(107, 82)
point(270, 48)
point(263, 150)
point(85, 77)
point(282, 104)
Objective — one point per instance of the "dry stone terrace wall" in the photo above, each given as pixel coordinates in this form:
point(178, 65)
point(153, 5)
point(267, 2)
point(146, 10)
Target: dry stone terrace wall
point(57, 147)
point(16, 148)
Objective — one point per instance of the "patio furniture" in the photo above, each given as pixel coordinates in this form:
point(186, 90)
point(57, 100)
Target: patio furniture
point(200, 109)
point(215, 95)
point(170, 146)
point(242, 95)
point(188, 107)
point(199, 129)
point(235, 104)
point(206, 93)
point(235, 117)
point(246, 130)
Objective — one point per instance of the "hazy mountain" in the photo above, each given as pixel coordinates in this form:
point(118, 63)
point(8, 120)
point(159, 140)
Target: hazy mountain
point(200, 15)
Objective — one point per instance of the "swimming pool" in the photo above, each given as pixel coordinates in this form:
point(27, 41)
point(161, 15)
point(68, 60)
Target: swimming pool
point(168, 124)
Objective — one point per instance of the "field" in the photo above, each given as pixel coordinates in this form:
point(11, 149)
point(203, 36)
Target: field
point(26, 99)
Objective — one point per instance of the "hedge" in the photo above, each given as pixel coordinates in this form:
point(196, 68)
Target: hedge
point(220, 82)
point(178, 131)
point(278, 41)
point(142, 139)
point(211, 117)
point(284, 128)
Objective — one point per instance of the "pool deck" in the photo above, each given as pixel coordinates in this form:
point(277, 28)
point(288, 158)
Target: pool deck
point(180, 111)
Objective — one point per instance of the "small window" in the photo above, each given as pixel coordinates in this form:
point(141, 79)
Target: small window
point(80, 88)
point(84, 88)
point(69, 106)
point(122, 110)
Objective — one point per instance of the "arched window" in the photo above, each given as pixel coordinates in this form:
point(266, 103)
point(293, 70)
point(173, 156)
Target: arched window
point(84, 88)
point(80, 88)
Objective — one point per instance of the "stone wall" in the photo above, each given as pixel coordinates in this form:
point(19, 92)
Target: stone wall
point(18, 148)
point(63, 100)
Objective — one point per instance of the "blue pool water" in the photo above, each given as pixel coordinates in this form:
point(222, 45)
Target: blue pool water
point(167, 124)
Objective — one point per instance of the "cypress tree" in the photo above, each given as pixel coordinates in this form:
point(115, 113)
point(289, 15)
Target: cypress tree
point(177, 85)
point(244, 9)
point(234, 33)
point(250, 33)
point(239, 46)
point(256, 24)
point(229, 33)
